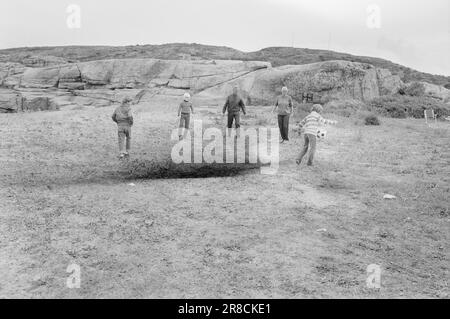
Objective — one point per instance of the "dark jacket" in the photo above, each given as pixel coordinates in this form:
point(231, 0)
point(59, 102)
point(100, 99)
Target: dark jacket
point(234, 104)
point(123, 116)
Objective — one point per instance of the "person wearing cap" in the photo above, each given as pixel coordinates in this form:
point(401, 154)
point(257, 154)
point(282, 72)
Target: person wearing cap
point(310, 126)
point(124, 119)
point(285, 110)
point(184, 112)
point(234, 105)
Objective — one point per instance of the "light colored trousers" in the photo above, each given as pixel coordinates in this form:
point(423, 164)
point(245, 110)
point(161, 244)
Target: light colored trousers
point(124, 133)
point(310, 144)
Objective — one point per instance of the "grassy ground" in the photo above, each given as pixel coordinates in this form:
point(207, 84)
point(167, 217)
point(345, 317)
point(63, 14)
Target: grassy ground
point(67, 199)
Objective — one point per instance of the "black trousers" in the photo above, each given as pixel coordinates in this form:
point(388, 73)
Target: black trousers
point(283, 124)
point(185, 119)
point(234, 117)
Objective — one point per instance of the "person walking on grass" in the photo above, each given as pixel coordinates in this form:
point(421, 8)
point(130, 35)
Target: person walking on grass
point(310, 126)
point(285, 110)
point(184, 112)
point(124, 119)
point(234, 105)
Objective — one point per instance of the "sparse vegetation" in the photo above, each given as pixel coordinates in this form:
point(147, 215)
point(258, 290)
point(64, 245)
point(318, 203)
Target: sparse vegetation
point(331, 67)
point(371, 120)
point(402, 106)
point(345, 108)
point(395, 106)
point(415, 89)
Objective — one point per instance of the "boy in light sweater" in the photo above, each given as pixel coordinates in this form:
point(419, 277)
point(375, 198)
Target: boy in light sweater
point(184, 112)
point(310, 126)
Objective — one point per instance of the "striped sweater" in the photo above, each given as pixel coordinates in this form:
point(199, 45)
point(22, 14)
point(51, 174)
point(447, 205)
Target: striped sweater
point(311, 123)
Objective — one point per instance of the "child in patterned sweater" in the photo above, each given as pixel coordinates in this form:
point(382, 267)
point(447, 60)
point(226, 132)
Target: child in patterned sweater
point(310, 126)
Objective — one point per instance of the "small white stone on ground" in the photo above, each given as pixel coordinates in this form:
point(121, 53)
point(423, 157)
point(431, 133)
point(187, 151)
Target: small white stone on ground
point(149, 222)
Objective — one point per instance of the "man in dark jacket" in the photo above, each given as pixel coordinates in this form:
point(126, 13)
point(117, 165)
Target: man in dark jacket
point(234, 105)
point(124, 119)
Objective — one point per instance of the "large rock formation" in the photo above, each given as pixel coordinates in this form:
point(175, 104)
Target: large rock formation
point(104, 82)
point(327, 80)
point(137, 73)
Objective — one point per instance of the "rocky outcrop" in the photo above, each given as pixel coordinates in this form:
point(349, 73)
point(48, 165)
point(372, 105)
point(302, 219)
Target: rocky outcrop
point(387, 83)
point(10, 102)
point(42, 61)
point(29, 100)
point(436, 91)
point(70, 78)
point(150, 73)
point(32, 101)
point(39, 102)
point(327, 80)
point(137, 73)
point(33, 61)
point(11, 74)
point(40, 78)
point(99, 83)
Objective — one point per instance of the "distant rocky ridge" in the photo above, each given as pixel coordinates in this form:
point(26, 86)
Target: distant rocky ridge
point(277, 56)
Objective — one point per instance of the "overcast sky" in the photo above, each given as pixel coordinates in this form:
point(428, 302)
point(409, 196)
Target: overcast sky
point(414, 33)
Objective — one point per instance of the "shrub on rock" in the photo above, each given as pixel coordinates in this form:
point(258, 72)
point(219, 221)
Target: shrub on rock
point(415, 89)
point(402, 106)
point(371, 120)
